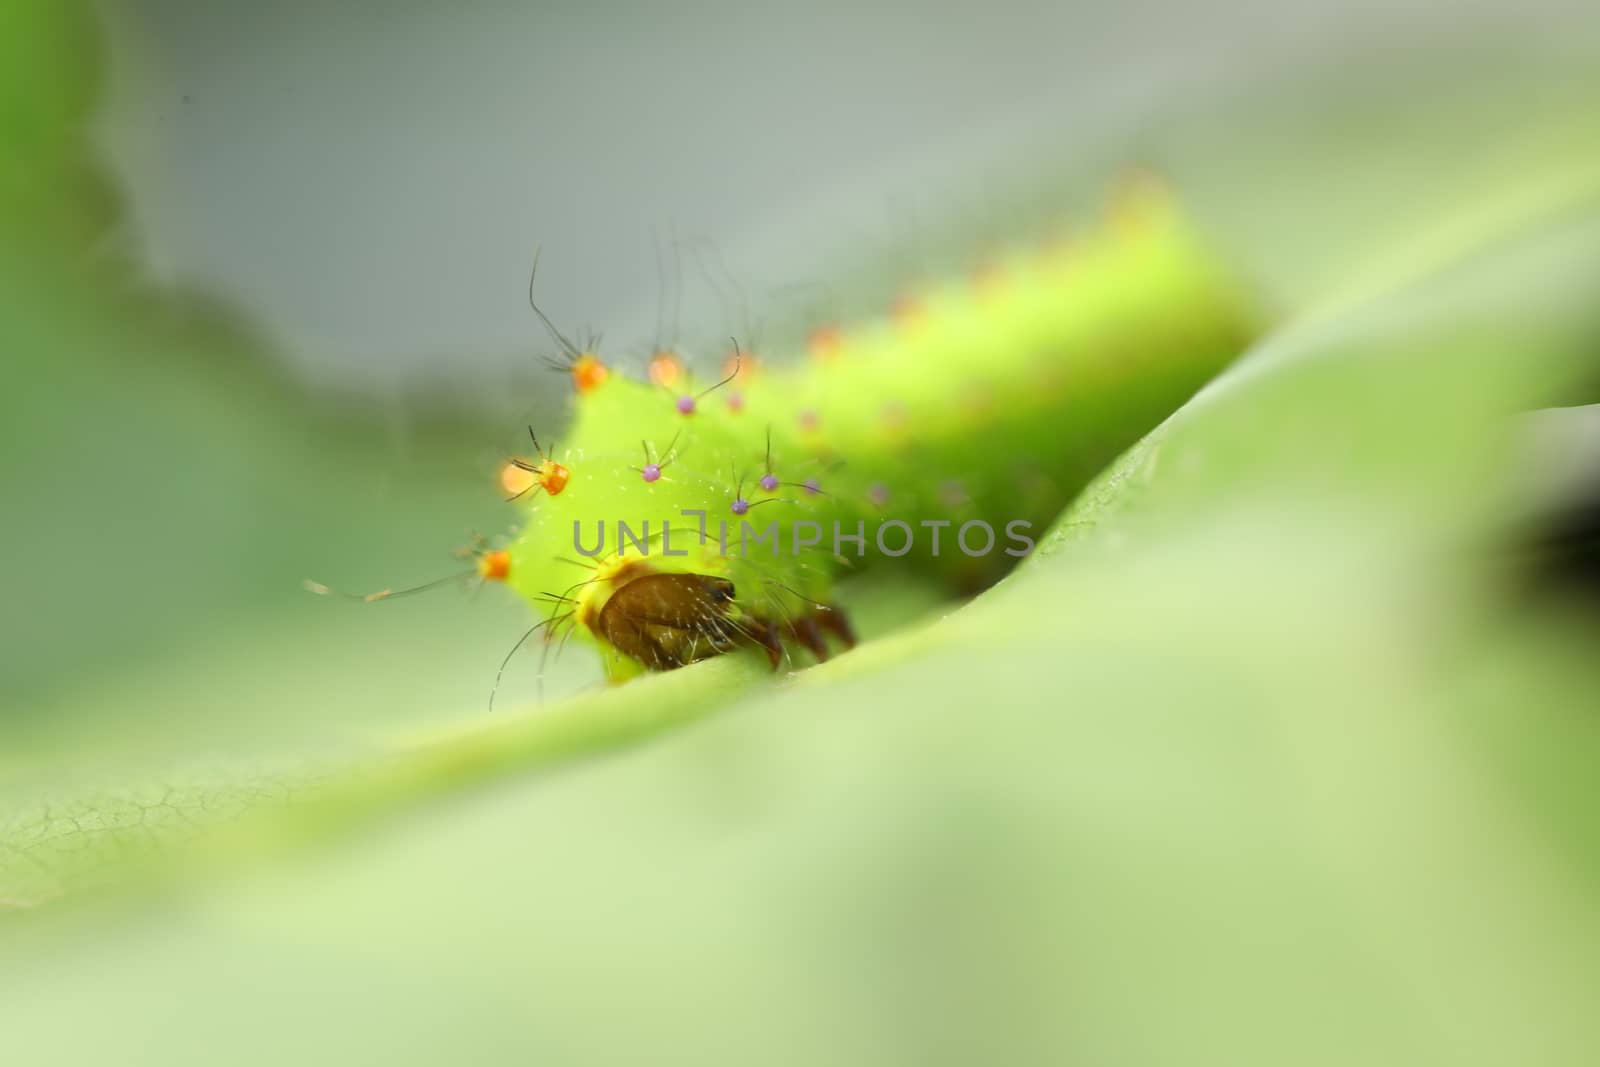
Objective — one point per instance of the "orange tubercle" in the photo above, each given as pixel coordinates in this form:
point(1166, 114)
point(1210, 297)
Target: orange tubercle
point(494, 566)
point(893, 416)
point(909, 313)
point(740, 366)
point(1138, 197)
point(553, 476)
point(989, 278)
point(825, 342)
point(665, 368)
point(516, 480)
point(519, 477)
point(588, 373)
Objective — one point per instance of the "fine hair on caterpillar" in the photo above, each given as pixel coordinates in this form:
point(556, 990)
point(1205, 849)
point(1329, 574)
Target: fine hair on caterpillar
point(730, 291)
point(655, 464)
point(490, 565)
point(688, 403)
point(581, 361)
point(665, 364)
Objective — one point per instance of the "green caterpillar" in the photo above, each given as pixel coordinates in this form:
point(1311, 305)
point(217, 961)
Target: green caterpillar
point(681, 520)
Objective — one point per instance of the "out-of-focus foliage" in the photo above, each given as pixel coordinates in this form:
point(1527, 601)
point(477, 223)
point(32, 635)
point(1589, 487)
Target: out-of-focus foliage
point(1264, 758)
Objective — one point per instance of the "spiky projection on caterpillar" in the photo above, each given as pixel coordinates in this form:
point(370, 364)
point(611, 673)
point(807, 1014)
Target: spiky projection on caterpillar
point(681, 518)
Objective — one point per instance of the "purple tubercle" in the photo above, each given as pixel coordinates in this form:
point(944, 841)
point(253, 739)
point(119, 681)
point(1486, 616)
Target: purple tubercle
point(651, 472)
point(686, 405)
point(769, 482)
point(813, 486)
point(740, 505)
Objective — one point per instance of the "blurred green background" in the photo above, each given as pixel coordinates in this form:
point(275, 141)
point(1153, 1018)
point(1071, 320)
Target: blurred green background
point(1267, 759)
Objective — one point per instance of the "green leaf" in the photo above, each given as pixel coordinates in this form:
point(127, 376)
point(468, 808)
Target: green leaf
point(1264, 757)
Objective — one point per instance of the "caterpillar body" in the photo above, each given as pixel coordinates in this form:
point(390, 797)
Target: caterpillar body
point(681, 519)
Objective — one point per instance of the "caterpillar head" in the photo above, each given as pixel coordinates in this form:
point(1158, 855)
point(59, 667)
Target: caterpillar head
point(667, 619)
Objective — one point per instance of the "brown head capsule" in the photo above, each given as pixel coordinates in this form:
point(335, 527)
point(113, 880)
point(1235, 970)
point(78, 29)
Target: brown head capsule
point(669, 620)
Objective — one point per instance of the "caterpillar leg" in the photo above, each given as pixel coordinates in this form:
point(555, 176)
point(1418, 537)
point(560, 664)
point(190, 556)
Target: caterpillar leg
point(835, 622)
point(812, 628)
point(806, 631)
point(764, 634)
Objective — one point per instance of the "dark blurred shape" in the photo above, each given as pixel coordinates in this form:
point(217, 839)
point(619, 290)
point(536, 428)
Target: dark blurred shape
point(1562, 542)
